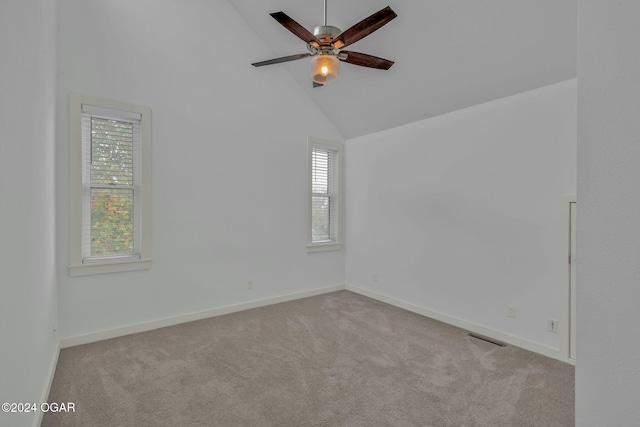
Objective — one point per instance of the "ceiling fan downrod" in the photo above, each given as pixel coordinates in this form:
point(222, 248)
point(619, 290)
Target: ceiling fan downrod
point(325, 12)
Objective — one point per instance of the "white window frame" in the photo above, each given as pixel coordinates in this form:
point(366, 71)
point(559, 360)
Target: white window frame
point(336, 174)
point(80, 266)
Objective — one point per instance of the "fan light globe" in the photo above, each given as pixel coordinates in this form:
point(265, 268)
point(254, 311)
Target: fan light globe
point(324, 68)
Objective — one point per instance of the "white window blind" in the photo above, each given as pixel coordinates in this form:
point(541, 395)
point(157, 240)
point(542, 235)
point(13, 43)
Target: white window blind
point(111, 184)
point(323, 197)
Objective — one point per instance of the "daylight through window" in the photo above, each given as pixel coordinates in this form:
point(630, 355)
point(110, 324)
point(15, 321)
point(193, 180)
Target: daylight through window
point(321, 163)
point(111, 156)
point(324, 170)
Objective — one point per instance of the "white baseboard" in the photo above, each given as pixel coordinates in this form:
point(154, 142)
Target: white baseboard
point(47, 388)
point(161, 323)
point(469, 326)
point(451, 320)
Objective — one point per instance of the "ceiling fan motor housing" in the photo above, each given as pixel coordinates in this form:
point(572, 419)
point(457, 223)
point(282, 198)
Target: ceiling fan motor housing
point(326, 33)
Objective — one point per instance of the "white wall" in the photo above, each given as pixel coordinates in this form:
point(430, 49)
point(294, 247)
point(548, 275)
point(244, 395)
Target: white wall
point(28, 293)
point(229, 160)
point(461, 214)
point(608, 270)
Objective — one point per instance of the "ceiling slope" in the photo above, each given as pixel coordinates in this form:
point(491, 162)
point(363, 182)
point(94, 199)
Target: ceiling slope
point(448, 54)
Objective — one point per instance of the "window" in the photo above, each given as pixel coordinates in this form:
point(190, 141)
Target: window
point(325, 192)
point(110, 145)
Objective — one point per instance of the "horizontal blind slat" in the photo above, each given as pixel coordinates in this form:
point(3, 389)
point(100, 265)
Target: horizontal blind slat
point(111, 151)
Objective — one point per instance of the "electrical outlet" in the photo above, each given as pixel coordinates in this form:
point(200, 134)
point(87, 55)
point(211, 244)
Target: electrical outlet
point(376, 277)
point(250, 284)
point(552, 326)
point(511, 311)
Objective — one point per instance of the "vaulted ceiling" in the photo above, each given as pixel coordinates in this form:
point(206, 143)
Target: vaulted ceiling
point(449, 54)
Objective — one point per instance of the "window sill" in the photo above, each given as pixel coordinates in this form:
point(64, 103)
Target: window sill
point(323, 247)
point(108, 267)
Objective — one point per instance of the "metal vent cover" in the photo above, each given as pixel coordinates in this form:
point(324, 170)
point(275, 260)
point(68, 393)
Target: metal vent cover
point(487, 339)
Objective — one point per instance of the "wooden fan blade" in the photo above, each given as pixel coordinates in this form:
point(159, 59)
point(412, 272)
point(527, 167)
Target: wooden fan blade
point(365, 60)
point(282, 59)
point(315, 85)
point(295, 28)
point(364, 27)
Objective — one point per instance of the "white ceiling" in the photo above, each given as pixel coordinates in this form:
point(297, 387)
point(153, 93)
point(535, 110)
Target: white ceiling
point(449, 54)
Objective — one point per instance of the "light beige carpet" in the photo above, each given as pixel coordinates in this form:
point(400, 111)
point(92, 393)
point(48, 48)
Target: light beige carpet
point(338, 359)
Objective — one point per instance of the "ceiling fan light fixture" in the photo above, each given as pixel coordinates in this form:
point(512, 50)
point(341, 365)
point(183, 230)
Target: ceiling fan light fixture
point(324, 68)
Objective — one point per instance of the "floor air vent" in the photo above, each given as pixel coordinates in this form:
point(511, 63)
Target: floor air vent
point(487, 339)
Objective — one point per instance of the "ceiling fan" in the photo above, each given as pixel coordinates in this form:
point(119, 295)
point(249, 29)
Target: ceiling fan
point(325, 43)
